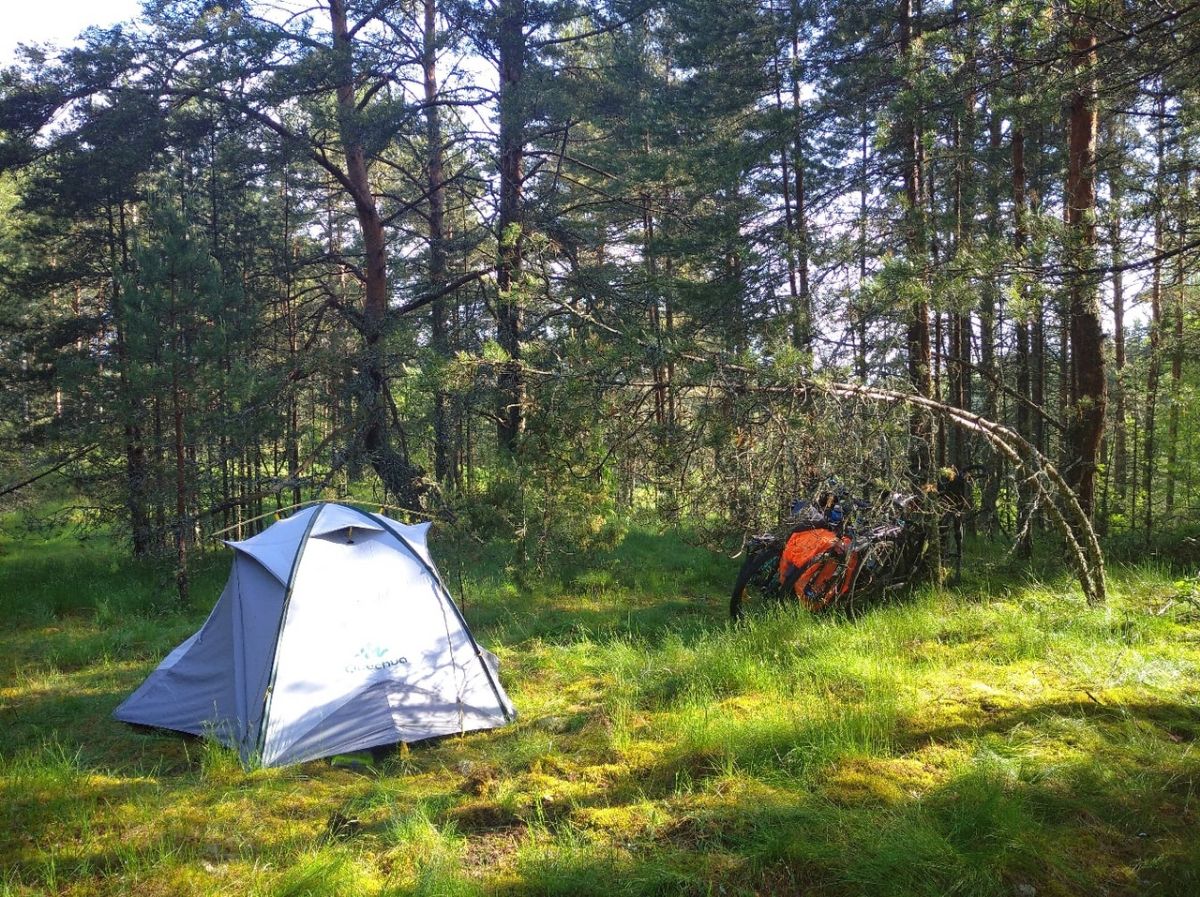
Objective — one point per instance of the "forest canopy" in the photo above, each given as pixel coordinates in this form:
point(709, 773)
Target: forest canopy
point(537, 266)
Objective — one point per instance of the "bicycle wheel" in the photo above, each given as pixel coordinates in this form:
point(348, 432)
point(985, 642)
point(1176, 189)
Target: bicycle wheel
point(819, 582)
point(757, 584)
point(876, 570)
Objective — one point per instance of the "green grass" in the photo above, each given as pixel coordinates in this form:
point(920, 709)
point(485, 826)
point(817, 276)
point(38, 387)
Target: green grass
point(989, 739)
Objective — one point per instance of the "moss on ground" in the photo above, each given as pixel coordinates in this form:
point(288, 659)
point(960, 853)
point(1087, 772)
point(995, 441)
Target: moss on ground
point(991, 739)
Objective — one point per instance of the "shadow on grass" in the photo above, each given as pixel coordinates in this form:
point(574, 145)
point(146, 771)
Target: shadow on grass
point(1066, 797)
point(76, 717)
point(997, 824)
point(754, 826)
point(1173, 721)
point(50, 800)
point(64, 822)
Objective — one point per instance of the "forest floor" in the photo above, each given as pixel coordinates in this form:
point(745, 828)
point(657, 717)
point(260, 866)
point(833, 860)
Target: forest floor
point(995, 738)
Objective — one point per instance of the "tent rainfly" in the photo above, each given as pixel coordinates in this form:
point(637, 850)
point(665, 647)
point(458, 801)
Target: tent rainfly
point(334, 633)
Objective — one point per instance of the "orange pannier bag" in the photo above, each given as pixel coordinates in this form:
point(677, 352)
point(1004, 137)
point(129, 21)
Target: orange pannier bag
point(814, 585)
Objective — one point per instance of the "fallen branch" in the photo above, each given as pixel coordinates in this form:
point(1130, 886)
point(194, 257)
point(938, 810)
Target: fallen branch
point(1072, 523)
point(58, 465)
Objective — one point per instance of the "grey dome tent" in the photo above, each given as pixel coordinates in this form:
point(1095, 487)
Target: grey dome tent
point(334, 634)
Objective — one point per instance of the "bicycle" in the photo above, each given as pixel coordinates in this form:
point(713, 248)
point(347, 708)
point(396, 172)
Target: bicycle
point(824, 560)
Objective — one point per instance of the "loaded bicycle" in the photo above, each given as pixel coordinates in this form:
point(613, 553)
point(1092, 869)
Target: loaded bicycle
point(838, 551)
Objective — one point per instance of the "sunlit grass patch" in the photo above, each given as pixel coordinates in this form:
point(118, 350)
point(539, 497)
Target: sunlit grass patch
point(327, 872)
point(970, 741)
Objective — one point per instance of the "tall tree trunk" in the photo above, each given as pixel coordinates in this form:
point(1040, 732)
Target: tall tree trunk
point(182, 525)
point(669, 315)
point(161, 491)
point(650, 261)
point(1088, 387)
point(1177, 337)
point(399, 476)
point(510, 223)
point(1116, 190)
point(917, 313)
point(789, 222)
point(738, 332)
point(1063, 303)
point(925, 163)
point(1154, 360)
point(136, 473)
point(860, 316)
point(804, 335)
point(292, 437)
point(1037, 335)
point(443, 438)
point(960, 319)
point(989, 330)
point(1021, 322)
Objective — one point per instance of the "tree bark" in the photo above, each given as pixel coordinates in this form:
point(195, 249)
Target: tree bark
point(789, 221)
point(959, 369)
point(860, 317)
point(292, 436)
point(1021, 322)
point(182, 524)
point(1037, 334)
point(804, 323)
point(1088, 396)
point(136, 473)
point(989, 330)
point(1177, 339)
point(510, 224)
point(399, 476)
point(1154, 360)
point(443, 449)
point(650, 261)
point(917, 314)
point(1116, 240)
